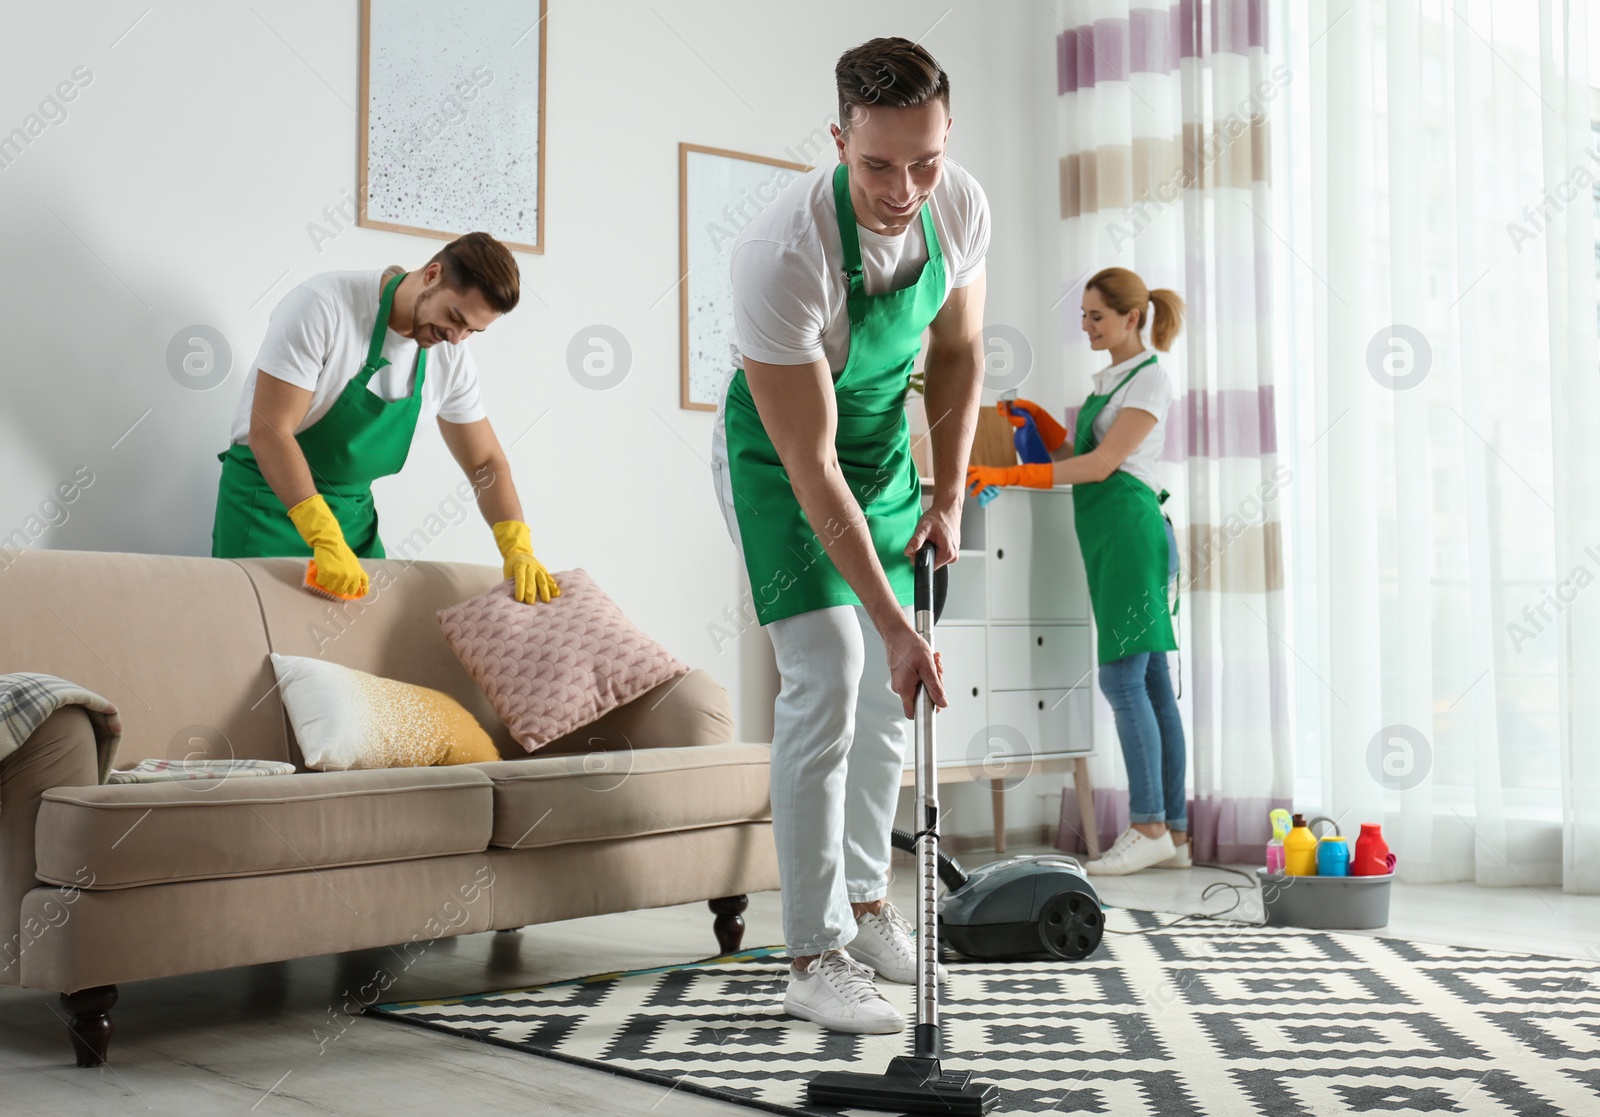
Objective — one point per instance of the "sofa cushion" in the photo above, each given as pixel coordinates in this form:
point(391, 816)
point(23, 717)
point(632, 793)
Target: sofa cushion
point(127, 835)
point(550, 668)
point(176, 643)
point(692, 709)
point(623, 793)
point(391, 632)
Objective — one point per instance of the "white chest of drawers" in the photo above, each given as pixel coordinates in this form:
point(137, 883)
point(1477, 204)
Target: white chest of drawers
point(1017, 646)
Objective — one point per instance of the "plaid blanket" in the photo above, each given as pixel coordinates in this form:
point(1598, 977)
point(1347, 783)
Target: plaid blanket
point(161, 771)
point(27, 699)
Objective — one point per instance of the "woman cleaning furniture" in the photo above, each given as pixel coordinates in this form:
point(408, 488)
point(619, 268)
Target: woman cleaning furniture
point(1110, 464)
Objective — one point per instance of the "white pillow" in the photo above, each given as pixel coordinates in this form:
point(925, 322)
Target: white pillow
point(344, 718)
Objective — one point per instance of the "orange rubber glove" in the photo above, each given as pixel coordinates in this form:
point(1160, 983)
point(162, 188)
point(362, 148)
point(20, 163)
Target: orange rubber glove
point(334, 571)
point(1034, 475)
point(1052, 432)
point(530, 580)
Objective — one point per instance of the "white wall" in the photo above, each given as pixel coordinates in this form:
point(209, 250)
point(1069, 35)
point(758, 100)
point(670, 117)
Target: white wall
point(180, 187)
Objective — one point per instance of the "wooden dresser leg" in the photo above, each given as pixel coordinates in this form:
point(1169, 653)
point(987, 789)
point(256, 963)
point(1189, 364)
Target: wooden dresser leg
point(89, 1023)
point(729, 924)
point(1091, 828)
point(997, 795)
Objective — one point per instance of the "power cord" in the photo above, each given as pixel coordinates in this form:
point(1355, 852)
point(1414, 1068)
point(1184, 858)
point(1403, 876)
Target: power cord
point(1239, 891)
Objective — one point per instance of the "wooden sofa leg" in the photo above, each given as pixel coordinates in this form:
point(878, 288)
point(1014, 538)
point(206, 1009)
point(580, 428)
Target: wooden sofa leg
point(729, 924)
point(89, 1023)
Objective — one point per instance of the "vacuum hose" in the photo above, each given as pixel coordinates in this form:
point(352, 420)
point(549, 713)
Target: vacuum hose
point(950, 872)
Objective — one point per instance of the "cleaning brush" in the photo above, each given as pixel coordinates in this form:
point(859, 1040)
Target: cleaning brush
point(314, 586)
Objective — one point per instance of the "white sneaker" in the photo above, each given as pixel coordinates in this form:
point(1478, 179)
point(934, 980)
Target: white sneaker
point(837, 992)
point(1130, 853)
point(1179, 860)
point(884, 943)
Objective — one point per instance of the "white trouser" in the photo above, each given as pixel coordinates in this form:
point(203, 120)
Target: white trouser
point(839, 738)
point(838, 747)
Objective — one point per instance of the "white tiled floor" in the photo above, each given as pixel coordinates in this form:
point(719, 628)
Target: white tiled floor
point(265, 1039)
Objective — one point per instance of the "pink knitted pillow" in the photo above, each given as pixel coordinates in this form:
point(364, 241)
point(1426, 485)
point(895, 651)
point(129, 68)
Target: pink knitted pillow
point(548, 668)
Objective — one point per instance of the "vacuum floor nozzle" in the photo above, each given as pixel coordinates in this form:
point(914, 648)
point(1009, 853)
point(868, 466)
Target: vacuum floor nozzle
point(910, 1085)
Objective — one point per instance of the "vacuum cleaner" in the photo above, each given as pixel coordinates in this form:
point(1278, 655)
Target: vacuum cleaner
point(1048, 895)
point(1022, 909)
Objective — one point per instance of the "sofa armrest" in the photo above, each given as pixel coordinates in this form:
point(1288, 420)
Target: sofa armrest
point(60, 753)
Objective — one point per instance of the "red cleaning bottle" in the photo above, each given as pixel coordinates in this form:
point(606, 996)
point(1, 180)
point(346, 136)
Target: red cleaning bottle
point(1372, 857)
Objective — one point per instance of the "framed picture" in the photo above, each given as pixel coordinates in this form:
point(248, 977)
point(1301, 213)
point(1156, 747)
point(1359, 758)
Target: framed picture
point(718, 194)
point(452, 119)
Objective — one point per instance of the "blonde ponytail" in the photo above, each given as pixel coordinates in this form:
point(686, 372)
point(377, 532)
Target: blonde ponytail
point(1168, 317)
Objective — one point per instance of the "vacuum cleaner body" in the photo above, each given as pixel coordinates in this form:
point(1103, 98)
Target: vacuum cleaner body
point(1023, 909)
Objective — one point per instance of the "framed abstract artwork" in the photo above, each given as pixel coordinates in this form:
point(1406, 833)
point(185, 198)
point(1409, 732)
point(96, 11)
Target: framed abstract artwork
point(718, 193)
point(452, 119)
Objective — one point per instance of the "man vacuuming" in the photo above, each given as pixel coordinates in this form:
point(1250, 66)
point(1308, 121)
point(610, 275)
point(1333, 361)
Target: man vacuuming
point(333, 400)
point(834, 285)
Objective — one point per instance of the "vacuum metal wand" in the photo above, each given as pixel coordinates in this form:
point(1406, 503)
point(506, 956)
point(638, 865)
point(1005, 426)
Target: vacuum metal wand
point(926, 1037)
point(917, 1083)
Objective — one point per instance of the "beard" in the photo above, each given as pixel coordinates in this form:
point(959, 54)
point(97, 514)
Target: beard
point(420, 305)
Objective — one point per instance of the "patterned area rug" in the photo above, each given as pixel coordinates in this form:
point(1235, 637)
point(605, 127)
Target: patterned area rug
point(1202, 1020)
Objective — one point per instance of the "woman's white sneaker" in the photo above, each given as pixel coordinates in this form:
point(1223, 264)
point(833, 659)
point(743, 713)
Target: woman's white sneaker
point(1131, 853)
point(1179, 860)
point(836, 991)
point(883, 942)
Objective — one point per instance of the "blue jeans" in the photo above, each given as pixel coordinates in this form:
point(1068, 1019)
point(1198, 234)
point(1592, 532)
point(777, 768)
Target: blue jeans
point(1139, 689)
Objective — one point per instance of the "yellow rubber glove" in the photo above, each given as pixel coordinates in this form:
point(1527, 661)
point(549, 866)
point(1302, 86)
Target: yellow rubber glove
point(334, 570)
point(529, 577)
point(1035, 475)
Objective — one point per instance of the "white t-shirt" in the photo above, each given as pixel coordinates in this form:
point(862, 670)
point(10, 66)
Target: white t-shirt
point(317, 339)
point(1150, 391)
point(789, 290)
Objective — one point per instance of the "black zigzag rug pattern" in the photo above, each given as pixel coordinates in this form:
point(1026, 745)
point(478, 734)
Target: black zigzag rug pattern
point(1199, 1020)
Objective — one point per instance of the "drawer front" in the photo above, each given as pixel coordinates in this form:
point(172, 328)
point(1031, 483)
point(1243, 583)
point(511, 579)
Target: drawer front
point(1051, 722)
point(963, 653)
point(1040, 656)
point(1035, 567)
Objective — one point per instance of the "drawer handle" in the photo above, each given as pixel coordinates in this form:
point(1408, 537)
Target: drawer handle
point(974, 692)
point(1041, 703)
point(1041, 641)
point(1000, 553)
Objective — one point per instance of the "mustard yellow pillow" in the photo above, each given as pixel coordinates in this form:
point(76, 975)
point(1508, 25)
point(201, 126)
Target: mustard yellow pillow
point(344, 718)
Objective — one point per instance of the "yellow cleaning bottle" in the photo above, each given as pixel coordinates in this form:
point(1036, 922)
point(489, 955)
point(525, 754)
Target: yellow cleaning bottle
point(1300, 849)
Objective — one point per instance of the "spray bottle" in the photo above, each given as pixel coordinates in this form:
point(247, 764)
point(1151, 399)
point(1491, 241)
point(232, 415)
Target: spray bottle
point(1280, 830)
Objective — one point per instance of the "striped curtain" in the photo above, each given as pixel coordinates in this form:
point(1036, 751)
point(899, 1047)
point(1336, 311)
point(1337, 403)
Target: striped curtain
point(1165, 110)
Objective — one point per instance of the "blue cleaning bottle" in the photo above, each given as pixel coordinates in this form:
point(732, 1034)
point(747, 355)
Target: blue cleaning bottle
point(1028, 441)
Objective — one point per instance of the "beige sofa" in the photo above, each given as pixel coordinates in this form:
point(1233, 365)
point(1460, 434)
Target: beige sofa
point(655, 804)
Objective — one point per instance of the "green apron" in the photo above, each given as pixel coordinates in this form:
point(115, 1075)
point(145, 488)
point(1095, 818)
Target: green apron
point(361, 437)
point(1125, 554)
point(790, 573)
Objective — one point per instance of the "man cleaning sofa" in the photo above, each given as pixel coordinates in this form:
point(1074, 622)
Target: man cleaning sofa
point(317, 425)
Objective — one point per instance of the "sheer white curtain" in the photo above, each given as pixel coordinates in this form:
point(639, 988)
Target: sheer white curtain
point(1437, 270)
